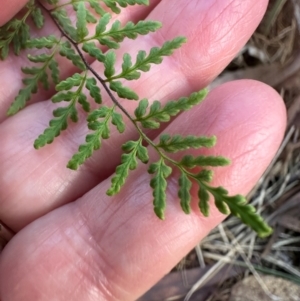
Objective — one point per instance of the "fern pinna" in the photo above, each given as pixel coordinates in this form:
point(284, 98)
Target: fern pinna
point(75, 42)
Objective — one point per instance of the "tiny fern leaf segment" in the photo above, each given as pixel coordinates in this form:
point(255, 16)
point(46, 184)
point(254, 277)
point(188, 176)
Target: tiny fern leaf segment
point(78, 44)
point(179, 143)
point(184, 192)
point(67, 51)
point(95, 93)
point(81, 29)
point(122, 91)
point(38, 17)
point(159, 184)
point(62, 18)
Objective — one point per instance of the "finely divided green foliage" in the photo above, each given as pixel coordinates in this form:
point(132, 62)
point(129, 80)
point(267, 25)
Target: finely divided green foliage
point(101, 130)
point(84, 90)
point(133, 150)
point(16, 32)
point(158, 114)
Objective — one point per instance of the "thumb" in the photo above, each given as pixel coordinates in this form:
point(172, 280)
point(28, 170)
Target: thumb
point(9, 8)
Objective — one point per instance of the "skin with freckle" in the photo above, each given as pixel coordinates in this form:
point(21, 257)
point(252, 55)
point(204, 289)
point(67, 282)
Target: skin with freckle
point(73, 242)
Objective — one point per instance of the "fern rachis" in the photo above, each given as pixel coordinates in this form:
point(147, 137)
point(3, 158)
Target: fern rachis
point(87, 88)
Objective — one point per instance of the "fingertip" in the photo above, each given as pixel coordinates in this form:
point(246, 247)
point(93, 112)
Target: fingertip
point(9, 9)
point(257, 101)
point(250, 119)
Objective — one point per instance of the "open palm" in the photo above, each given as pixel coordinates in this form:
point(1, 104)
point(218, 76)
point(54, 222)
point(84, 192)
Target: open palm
point(73, 241)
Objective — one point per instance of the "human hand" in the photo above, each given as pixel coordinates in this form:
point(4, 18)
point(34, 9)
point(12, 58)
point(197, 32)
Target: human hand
point(76, 243)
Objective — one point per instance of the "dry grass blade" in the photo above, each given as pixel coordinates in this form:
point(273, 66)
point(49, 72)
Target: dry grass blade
point(272, 15)
point(297, 12)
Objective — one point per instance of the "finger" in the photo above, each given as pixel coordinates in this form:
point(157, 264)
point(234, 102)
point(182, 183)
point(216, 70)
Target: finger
point(9, 8)
point(102, 248)
point(43, 181)
point(11, 67)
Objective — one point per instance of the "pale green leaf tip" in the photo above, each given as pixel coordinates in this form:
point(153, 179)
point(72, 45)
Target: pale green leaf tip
point(111, 192)
point(10, 112)
point(182, 39)
point(213, 141)
point(159, 213)
point(186, 209)
point(226, 161)
point(265, 233)
point(205, 213)
point(36, 146)
point(72, 165)
point(205, 91)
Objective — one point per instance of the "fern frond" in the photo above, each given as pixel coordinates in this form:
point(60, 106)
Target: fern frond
point(91, 85)
point(73, 81)
point(100, 130)
point(191, 161)
point(122, 91)
point(23, 96)
point(203, 196)
point(178, 143)
point(67, 51)
point(102, 24)
point(117, 120)
point(43, 42)
point(94, 51)
point(112, 4)
point(96, 6)
point(237, 205)
point(184, 193)
point(205, 175)
point(81, 28)
point(116, 34)
point(89, 17)
point(54, 68)
point(62, 115)
point(57, 125)
point(159, 185)
point(77, 80)
point(158, 114)
point(133, 150)
point(78, 44)
point(61, 16)
point(38, 75)
point(38, 17)
point(144, 61)
point(109, 63)
point(17, 32)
